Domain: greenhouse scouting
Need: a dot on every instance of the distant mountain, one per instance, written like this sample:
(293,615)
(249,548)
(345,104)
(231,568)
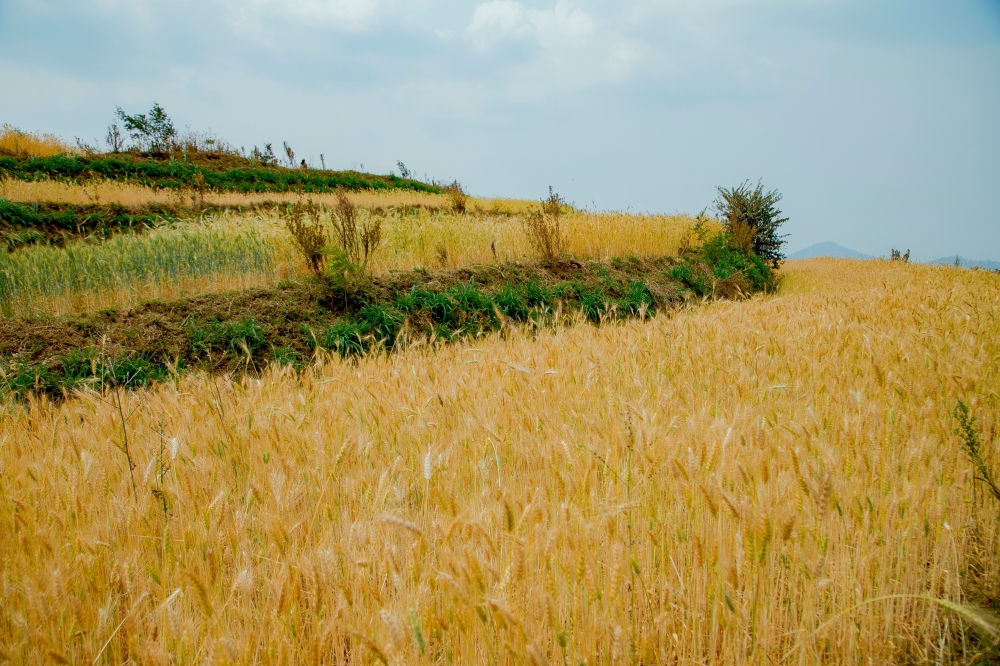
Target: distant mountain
(828,249)
(967,263)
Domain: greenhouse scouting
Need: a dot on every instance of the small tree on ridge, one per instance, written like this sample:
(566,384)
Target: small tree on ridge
(153,131)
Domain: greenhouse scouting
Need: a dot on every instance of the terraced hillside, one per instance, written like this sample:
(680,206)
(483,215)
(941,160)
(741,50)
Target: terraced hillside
(503,432)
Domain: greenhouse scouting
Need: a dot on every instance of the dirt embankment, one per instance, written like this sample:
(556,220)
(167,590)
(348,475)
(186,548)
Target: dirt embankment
(288,323)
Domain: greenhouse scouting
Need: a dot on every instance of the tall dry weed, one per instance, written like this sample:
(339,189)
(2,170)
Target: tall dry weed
(18,143)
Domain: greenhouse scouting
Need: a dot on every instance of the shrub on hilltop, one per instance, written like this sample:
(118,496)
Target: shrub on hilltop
(752,219)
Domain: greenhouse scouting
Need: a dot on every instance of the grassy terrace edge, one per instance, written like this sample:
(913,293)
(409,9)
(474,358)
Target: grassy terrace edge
(176,174)
(24,224)
(289,324)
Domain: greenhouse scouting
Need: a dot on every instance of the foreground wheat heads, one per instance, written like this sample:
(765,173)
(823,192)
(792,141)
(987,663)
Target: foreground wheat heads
(729,484)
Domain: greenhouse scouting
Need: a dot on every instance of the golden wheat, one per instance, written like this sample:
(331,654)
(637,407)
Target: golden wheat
(769,481)
(133,194)
(428,238)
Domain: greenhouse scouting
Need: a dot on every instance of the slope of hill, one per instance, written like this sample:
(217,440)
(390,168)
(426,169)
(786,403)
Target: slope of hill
(968,263)
(827,249)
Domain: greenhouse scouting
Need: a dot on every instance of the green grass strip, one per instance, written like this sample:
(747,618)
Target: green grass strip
(178,174)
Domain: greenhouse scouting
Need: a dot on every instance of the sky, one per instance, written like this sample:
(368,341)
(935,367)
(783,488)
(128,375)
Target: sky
(877,120)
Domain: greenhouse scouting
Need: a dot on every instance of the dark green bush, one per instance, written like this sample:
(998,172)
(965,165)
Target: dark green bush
(726,262)
(751,212)
(24,378)
(682,274)
(718,261)
(131,371)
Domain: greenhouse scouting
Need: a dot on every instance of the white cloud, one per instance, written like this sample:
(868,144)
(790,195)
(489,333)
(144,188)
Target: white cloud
(538,51)
(562,24)
(350,14)
(497,21)
(259,16)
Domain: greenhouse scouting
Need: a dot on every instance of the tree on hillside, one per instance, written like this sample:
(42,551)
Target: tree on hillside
(153,131)
(751,212)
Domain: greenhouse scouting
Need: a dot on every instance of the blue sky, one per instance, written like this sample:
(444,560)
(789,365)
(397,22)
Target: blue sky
(877,120)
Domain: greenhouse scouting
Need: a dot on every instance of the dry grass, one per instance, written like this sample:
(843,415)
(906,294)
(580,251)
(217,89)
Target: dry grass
(415,240)
(19,143)
(726,485)
(134,194)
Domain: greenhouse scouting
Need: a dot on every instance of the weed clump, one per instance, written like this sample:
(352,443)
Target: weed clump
(973,446)
(545,235)
(358,239)
(30,224)
(553,205)
(243,336)
(80,368)
(355,240)
(467,310)
(310,238)
(459,198)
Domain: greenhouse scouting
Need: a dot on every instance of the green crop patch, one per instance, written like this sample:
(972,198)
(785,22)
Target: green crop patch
(23,224)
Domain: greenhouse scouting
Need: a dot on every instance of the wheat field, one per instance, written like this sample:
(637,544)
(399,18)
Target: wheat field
(132,194)
(234,250)
(772,481)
